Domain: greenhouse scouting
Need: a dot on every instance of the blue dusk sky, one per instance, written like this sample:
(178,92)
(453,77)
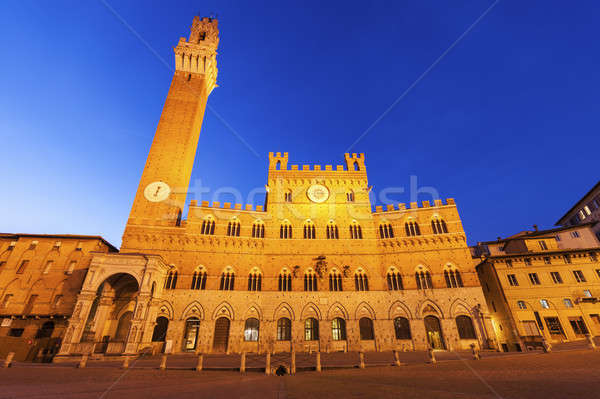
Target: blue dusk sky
(506,122)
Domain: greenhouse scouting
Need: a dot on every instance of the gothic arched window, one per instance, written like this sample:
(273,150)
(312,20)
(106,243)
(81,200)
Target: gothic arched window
(309,230)
(233,228)
(335,281)
(453,278)
(258,229)
(355,231)
(208,226)
(361,282)
(332,231)
(412,228)
(311,329)
(284,329)
(310,281)
(251,329)
(394,280)
(199,280)
(254,280)
(402,328)
(465,328)
(438,226)
(285,230)
(171,281)
(284,282)
(386,230)
(423,278)
(227,280)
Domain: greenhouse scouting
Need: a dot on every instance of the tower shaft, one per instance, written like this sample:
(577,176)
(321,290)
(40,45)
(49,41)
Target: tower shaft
(162,191)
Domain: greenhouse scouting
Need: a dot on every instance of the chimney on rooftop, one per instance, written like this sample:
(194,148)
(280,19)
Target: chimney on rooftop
(535,227)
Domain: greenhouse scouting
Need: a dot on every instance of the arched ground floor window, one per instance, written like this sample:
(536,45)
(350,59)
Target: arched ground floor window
(160,329)
(284,329)
(434,332)
(338,329)
(402,328)
(465,328)
(366,329)
(190,337)
(311,329)
(251,330)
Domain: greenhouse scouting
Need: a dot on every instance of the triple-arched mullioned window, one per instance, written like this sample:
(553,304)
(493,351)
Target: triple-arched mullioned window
(233,228)
(255,280)
(412,228)
(438,226)
(310,280)
(394,280)
(284,282)
(208,226)
(335,280)
(309,230)
(227,282)
(285,229)
(386,230)
(452,277)
(350,196)
(258,229)
(423,278)
(361,281)
(355,231)
(332,231)
(171,281)
(199,279)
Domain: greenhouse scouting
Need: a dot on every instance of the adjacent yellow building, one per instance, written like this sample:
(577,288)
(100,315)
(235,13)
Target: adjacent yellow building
(542,284)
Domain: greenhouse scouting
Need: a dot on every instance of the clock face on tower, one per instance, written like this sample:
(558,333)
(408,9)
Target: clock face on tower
(157,191)
(317,193)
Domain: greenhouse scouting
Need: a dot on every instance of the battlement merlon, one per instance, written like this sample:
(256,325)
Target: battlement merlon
(354,163)
(198,54)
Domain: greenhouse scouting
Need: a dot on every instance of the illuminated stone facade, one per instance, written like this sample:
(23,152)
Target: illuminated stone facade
(313,268)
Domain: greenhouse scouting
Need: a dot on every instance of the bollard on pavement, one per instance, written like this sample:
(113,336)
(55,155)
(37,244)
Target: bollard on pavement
(163,362)
(431,354)
(547,346)
(200,361)
(319,362)
(361,356)
(293,365)
(243,363)
(268,364)
(591,342)
(83,361)
(125,362)
(397,361)
(9,359)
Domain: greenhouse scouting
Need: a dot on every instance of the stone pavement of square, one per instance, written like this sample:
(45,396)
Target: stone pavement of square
(567,374)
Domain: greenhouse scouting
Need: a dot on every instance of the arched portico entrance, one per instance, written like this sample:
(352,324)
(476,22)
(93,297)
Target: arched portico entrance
(435,336)
(109,322)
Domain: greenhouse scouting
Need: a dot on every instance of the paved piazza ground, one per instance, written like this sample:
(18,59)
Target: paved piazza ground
(567,374)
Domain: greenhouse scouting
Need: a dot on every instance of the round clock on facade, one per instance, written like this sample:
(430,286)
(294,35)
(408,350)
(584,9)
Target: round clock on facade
(157,191)
(317,193)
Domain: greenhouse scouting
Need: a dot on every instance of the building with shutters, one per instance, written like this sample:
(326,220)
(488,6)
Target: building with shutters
(542,284)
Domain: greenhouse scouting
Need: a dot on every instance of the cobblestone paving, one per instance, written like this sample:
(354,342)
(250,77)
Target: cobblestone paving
(568,374)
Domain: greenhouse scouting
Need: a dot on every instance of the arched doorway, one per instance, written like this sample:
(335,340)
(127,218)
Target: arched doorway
(190,337)
(221,334)
(123,326)
(160,329)
(434,332)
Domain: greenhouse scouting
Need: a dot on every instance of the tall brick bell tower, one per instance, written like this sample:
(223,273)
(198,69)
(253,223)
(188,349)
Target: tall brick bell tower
(163,187)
